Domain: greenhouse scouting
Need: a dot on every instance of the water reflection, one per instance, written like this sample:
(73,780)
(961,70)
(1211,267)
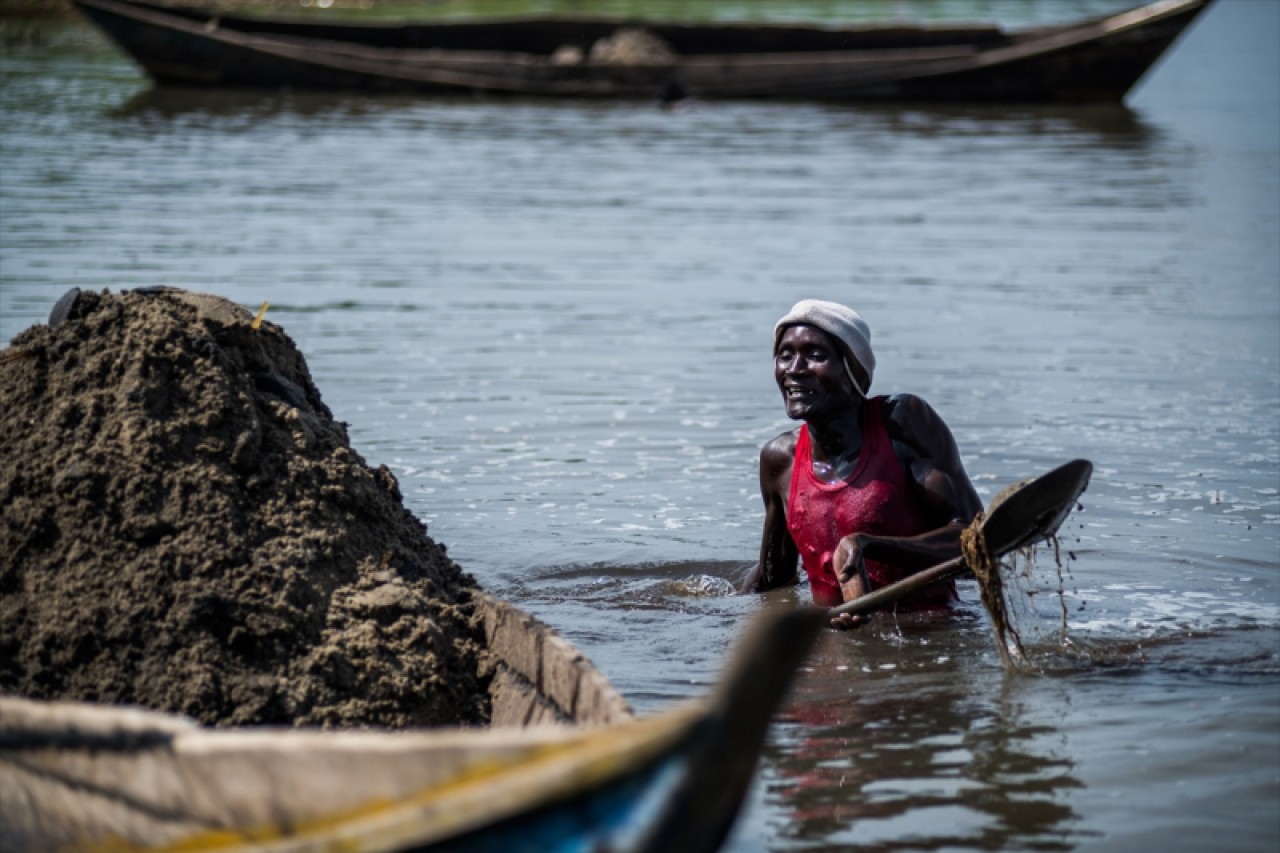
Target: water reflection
(905,749)
(1109,125)
(168,102)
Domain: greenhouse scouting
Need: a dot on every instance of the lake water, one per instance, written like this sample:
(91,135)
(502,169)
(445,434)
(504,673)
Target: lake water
(553,322)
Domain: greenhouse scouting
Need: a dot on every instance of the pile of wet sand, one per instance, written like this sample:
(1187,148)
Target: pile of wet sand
(184,526)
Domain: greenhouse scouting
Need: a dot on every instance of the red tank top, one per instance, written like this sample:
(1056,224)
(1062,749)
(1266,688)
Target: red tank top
(876,499)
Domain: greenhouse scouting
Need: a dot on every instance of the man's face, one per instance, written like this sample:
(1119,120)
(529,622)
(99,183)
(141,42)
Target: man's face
(810,372)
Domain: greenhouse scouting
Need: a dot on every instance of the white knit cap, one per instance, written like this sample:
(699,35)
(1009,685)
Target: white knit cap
(841,323)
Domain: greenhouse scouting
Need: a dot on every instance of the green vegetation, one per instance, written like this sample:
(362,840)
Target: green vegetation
(777,10)
(28,10)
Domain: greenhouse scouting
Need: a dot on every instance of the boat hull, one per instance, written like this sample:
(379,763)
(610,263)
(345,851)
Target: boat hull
(1092,61)
(85,777)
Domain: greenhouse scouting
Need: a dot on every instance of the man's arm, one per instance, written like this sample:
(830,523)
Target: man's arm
(778,554)
(925,445)
(926,448)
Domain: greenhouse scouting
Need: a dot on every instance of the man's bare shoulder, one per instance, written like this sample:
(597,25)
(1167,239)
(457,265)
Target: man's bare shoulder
(912,421)
(903,408)
(778,453)
(781,447)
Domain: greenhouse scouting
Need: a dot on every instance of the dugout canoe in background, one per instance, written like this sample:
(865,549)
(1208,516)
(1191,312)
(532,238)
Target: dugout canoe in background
(1094,60)
(77,776)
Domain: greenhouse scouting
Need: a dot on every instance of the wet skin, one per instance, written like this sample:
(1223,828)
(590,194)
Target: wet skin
(810,372)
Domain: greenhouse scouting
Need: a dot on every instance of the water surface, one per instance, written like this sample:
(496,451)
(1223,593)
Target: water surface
(552,321)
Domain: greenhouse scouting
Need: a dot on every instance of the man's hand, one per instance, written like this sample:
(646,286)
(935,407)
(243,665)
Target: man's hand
(847,621)
(851,571)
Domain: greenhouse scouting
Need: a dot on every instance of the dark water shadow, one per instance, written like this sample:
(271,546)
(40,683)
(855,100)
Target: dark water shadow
(172,102)
(1106,125)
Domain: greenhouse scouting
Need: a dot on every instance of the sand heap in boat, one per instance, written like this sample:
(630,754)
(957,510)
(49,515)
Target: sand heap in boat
(186,527)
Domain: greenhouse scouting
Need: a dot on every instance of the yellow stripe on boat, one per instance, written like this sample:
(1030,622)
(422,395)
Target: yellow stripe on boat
(486,791)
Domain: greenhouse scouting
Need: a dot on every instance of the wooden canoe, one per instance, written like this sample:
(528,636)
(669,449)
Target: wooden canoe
(84,777)
(1093,60)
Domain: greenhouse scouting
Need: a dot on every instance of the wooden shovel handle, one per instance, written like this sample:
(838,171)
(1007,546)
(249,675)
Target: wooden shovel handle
(897,590)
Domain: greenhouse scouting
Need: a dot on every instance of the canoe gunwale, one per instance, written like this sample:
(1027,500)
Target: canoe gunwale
(539,677)
(205,788)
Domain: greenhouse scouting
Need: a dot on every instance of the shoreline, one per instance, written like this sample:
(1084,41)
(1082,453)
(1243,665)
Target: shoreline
(62,10)
(29,23)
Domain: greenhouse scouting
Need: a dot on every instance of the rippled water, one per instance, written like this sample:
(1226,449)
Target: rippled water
(552,320)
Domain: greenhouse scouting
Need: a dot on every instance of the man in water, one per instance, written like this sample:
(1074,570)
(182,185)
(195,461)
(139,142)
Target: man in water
(867,490)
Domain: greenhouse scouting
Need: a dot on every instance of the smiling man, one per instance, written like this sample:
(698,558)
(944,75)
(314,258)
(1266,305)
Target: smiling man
(867,490)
